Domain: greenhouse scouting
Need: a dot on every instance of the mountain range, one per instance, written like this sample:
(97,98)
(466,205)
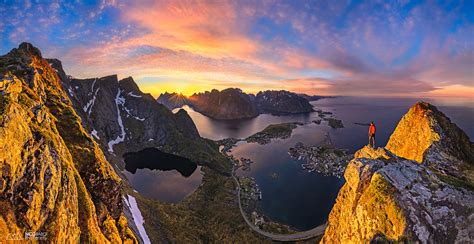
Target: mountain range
(233,103)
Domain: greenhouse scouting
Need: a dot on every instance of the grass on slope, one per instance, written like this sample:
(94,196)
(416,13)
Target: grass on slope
(209,215)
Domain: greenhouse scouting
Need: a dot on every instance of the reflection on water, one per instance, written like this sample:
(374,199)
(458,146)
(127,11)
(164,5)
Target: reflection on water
(160,175)
(220,129)
(298,198)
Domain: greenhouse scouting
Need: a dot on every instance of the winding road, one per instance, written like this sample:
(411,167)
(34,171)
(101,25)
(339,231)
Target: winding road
(298,236)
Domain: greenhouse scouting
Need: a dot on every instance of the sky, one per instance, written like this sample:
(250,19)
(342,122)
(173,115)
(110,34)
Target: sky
(357,48)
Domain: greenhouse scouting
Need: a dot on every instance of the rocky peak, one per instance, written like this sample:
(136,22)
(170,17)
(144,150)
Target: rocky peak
(278,102)
(54,177)
(172,100)
(428,136)
(122,119)
(129,85)
(27,49)
(400,193)
(230,103)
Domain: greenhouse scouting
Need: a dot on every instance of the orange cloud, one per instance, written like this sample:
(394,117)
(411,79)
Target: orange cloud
(459,91)
(210,28)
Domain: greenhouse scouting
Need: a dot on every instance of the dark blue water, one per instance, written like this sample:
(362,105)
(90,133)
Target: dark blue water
(162,176)
(301,199)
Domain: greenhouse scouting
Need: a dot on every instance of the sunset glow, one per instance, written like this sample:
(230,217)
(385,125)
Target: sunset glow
(393,48)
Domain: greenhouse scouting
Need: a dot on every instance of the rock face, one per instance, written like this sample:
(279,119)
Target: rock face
(436,142)
(282,102)
(123,119)
(54,177)
(230,103)
(172,100)
(397,195)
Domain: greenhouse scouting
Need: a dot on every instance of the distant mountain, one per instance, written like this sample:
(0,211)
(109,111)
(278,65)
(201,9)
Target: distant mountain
(233,103)
(172,100)
(282,102)
(230,103)
(313,97)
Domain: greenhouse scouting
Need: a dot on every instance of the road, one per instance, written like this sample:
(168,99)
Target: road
(298,236)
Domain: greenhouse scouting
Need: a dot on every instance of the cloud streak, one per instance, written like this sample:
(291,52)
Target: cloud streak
(397,48)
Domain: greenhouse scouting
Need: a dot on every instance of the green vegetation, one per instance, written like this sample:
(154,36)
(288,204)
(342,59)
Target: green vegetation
(334,123)
(209,215)
(202,151)
(278,129)
(282,131)
(4,103)
(454,181)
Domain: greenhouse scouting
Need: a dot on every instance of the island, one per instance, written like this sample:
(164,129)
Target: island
(324,159)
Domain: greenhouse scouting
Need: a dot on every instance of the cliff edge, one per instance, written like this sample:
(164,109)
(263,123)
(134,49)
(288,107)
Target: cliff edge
(55,179)
(410,190)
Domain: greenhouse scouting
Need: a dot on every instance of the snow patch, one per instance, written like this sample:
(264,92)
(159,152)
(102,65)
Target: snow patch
(71,93)
(131,115)
(94,133)
(133,95)
(120,138)
(90,104)
(137,217)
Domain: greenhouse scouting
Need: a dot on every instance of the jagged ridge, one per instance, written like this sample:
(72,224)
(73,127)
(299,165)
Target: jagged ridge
(124,119)
(233,103)
(55,178)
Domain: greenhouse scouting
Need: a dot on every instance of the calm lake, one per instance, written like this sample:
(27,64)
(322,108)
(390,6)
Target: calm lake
(293,196)
(162,176)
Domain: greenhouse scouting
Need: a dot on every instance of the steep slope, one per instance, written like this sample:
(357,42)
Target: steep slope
(124,119)
(54,178)
(282,102)
(389,197)
(435,141)
(172,100)
(230,103)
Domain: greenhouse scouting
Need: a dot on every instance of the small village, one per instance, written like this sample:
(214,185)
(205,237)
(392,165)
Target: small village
(321,159)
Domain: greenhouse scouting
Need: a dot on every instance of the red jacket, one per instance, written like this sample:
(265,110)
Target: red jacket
(372,129)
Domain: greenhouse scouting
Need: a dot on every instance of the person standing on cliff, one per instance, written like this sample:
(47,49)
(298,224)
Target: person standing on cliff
(372,134)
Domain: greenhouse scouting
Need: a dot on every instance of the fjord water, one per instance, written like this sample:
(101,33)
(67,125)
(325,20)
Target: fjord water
(162,176)
(293,196)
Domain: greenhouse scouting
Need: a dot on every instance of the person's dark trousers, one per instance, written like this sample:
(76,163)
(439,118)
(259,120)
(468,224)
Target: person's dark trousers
(372,140)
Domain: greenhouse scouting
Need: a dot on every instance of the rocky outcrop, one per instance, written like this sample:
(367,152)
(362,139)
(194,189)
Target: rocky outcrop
(390,196)
(55,178)
(282,102)
(172,100)
(427,136)
(230,103)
